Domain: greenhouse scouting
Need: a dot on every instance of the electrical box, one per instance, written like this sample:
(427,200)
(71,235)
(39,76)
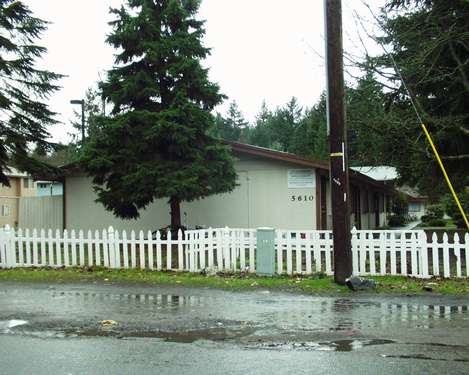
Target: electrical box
(265,253)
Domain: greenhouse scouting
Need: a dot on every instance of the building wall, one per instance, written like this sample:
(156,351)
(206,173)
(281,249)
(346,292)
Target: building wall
(262,198)
(9,199)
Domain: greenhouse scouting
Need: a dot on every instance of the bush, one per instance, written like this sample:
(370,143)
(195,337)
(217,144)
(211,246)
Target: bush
(435,211)
(396,220)
(400,205)
(437,223)
(453,211)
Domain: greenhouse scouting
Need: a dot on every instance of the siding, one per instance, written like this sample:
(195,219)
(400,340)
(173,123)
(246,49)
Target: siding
(41,212)
(261,199)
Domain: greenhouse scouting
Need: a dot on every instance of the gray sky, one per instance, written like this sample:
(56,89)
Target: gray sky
(261,49)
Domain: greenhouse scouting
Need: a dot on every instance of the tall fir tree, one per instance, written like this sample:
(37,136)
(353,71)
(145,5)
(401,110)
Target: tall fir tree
(428,40)
(24,90)
(155,142)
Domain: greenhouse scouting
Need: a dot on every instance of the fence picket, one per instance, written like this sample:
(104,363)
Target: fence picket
(125,250)
(20,248)
(50,248)
(328,253)
(105,248)
(66,253)
(372,251)
(150,250)
(97,249)
(252,247)
(382,253)
(435,255)
(279,252)
(141,249)
(180,251)
(81,245)
(354,241)
(58,249)
(457,254)
(298,253)
(289,253)
(393,252)
(362,252)
(403,247)
(158,251)
(133,255)
(35,249)
(43,261)
(242,251)
(466,252)
(446,269)
(413,254)
(73,248)
(308,250)
(169,251)
(89,247)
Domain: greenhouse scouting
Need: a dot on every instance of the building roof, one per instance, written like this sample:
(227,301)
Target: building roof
(13,172)
(267,153)
(378,173)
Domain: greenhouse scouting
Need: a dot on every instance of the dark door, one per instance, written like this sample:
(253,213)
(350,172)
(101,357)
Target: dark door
(376,209)
(323,203)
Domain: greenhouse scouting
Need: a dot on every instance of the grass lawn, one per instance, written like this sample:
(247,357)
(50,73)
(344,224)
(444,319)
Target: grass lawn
(315,284)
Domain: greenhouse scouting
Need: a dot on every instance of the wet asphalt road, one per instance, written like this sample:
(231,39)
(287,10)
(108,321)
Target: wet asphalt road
(56,329)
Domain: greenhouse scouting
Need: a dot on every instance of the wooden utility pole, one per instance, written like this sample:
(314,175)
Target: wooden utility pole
(337,142)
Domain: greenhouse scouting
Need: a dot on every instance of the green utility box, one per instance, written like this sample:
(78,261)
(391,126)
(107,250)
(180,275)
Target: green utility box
(265,254)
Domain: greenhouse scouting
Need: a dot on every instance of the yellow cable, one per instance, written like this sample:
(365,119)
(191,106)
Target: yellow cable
(446,176)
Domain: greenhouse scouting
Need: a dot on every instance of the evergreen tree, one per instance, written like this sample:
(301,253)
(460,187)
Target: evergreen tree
(24,89)
(260,134)
(428,41)
(155,142)
(233,127)
(283,124)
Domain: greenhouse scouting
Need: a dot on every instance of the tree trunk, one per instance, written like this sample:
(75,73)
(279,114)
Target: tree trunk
(175,213)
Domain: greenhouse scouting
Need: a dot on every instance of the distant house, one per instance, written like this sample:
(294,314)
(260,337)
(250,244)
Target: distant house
(49,188)
(276,189)
(21,185)
(389,175)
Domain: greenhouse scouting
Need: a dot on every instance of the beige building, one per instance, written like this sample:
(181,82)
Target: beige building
(21,185)
(276,189)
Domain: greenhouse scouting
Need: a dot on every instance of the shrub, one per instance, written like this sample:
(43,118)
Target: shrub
(453,211)
(396,220)
(437,223)
(434,212)
(400,205)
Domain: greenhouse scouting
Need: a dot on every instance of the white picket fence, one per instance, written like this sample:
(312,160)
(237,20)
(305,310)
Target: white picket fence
(406,253)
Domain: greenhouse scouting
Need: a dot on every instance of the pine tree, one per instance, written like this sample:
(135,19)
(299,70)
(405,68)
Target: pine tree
(155,143)
(24,89)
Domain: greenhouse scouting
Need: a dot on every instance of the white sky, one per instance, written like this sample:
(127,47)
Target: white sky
(261,49)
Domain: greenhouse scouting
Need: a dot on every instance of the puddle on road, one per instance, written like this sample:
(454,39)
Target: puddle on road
(7,325)
(329,346)
(189,336)
(424,357)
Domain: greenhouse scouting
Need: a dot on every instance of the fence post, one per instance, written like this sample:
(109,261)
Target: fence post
(423,258)
(111,247)
(355,269)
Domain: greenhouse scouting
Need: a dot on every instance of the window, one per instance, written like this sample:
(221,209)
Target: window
(414,206)
(27,183)
(5,210)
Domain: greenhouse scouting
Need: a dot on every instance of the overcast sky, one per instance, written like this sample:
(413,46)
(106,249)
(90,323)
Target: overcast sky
(261,49)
